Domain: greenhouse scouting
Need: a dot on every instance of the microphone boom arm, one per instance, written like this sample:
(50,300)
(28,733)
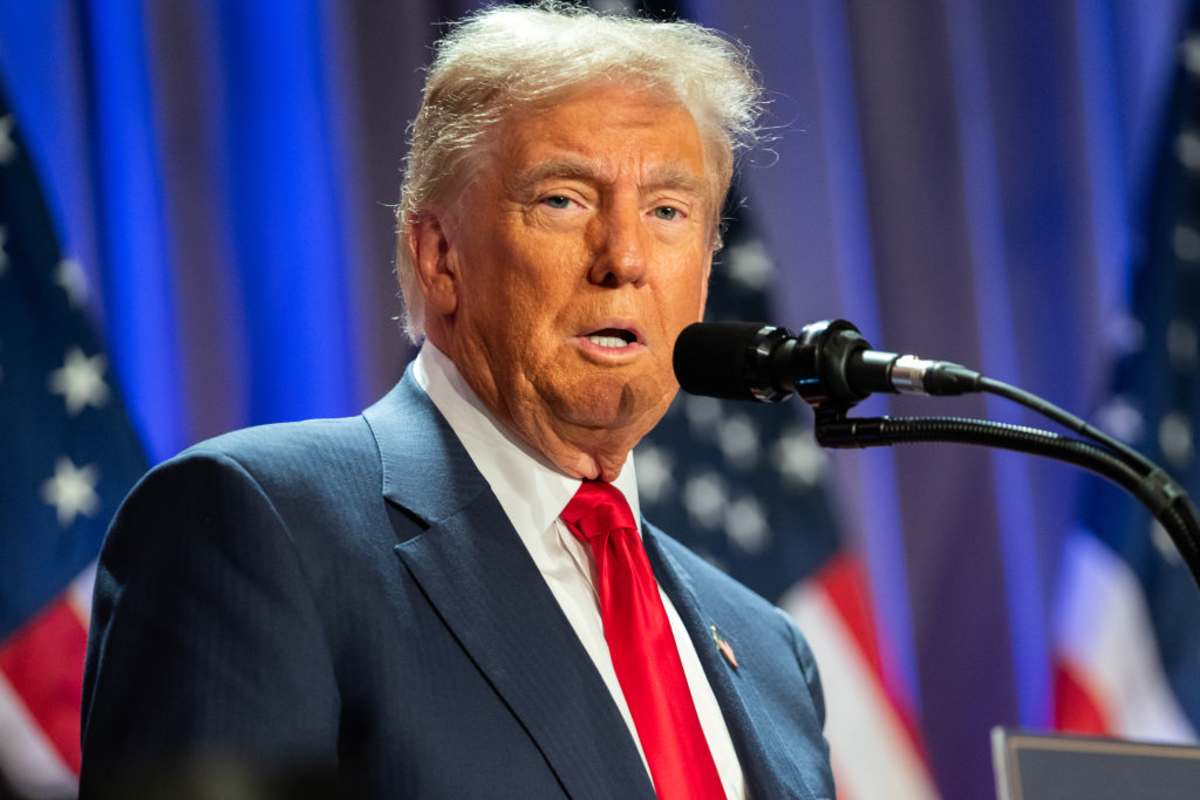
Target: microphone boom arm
(1164,498)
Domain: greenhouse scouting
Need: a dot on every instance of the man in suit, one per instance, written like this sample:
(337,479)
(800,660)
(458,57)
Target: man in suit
(453,595)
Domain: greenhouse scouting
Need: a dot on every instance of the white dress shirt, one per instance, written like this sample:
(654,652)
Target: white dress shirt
(533,494)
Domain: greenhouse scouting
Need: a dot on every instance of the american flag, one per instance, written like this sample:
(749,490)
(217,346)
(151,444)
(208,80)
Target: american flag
(1128,637)
(69,456)
(745,486)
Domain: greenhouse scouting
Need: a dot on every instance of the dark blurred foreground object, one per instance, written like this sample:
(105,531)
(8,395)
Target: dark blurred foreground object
(1088,768)
(229,778)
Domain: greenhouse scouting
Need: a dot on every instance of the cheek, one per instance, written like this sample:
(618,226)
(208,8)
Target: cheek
(543,277)
(687,294)
(522,303)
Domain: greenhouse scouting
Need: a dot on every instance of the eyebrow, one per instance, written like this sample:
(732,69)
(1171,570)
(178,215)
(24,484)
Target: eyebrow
(557,168)
(668,176)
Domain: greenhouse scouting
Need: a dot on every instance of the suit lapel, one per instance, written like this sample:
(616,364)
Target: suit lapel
(768,770)
(475,570)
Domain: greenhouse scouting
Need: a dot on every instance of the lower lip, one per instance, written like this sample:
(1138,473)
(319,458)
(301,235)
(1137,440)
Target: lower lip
(609,355)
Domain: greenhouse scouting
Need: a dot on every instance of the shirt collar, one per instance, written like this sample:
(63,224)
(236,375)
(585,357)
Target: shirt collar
(532,492)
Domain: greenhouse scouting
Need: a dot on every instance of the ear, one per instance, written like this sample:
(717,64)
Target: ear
(428,245)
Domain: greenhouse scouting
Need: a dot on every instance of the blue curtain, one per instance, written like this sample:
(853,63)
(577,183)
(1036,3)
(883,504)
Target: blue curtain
(960,179)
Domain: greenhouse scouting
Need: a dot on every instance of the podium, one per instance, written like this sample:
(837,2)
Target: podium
(1031,766)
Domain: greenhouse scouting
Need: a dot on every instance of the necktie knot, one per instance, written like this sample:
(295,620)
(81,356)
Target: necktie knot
(596,510)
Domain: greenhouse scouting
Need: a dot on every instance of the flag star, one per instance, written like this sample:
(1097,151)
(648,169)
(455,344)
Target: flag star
(746,525)
(72,491)
(799,458)
(72,280)
(1119,417)
(1175,439)
(704,498)
(8,147)
(655,482)
(702,413)
(1123,335)
(80,381)
(750,265)
(1182,345)
(1187,150)
(1191,54)
(1185,242)
(738,440)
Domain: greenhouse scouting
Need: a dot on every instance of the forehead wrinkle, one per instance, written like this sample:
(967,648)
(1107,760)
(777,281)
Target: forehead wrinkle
(663,176)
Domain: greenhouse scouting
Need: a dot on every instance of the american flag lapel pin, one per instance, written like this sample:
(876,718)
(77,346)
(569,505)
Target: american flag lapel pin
(724,648)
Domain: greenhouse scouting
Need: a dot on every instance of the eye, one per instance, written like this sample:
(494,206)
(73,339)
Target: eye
(667,213)
(557,201)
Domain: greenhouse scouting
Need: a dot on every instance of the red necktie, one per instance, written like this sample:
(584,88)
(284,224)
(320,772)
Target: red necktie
(643,650)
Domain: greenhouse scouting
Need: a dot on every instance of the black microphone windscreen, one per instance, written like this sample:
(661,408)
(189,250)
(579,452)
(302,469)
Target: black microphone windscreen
(711,358)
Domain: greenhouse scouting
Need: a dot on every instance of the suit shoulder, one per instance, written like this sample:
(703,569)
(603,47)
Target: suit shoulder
(290,453)
(262,445)
(303,468)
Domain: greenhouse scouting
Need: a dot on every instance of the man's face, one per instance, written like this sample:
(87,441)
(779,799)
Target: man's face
(580,249)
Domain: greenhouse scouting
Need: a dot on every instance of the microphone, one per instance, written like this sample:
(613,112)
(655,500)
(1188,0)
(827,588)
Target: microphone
(829,364)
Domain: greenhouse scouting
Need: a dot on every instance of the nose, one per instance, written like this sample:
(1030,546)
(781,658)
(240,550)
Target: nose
(621,250)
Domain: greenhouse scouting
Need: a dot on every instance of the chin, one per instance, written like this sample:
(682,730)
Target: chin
(592,411)
(613,402)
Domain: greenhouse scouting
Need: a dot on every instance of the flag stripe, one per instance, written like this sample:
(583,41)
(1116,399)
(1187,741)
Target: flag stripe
(79,595)
(844,580)
(43,663)
(28,760)
(862,725)
(1076,707)
(1105,634)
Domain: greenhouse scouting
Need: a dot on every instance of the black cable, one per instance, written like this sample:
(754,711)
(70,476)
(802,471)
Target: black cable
(1154,480)
(1067,420)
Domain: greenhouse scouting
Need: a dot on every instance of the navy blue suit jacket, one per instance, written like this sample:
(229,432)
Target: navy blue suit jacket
(350,592)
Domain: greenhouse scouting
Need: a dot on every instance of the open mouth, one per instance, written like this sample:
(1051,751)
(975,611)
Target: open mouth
(612,338)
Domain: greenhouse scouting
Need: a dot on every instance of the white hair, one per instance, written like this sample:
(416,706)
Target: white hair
(508,56)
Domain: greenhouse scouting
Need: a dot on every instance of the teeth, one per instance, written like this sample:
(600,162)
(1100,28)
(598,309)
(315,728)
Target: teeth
(607,341)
